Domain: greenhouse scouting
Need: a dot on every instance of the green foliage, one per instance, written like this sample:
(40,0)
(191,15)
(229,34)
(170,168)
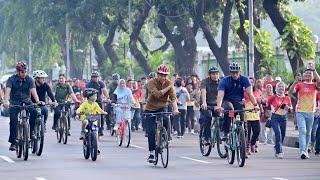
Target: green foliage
(297,37)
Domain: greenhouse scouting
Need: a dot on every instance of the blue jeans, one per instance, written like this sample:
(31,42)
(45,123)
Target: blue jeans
(314,130)
(279,123)
(304,122)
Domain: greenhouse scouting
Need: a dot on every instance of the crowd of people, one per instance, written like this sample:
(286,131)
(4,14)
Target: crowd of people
(193,102)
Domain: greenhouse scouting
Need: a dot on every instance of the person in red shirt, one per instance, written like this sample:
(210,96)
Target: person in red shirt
(266,134)
(305,108)
(280,104)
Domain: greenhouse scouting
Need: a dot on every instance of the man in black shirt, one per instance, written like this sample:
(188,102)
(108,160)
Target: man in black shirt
(95,83)
(43,89)
(18,90)
(209,92)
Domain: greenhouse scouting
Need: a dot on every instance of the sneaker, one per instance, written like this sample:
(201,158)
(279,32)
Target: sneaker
(179,137)
(116,126)
(151,158)
(175,132)
(253,148)
(82,135)
(192,131)
(12,147)
(32,135)
(303,155)
(224,136)
(279,156)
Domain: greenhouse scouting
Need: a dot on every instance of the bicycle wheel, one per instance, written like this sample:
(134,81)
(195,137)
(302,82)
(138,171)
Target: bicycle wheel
(40,138)
(25,141)
(58,131)
(127,134)
(241,147)
(230,151)
(86,147)
(94,146)
(220,145)
(19,146)
(164,148)
(205,149)
(120,134)
(34,143)
(64,130)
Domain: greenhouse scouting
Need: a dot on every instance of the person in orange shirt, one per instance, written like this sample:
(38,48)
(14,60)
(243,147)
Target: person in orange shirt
(305,108)
(280,104)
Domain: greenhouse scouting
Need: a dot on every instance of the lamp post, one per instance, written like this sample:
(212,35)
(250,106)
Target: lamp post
(251,40)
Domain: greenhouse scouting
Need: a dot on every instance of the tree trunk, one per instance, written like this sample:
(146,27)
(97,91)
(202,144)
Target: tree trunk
(136,29)
(100,52)
(244,36)
(273,10)
(108,46)
(221,53)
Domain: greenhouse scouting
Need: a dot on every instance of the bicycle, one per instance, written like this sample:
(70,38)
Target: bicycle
(161,137)
(22,144)
(63,123)
(124,131)
(90,143)
(236,142)
(205,147)
(39,130)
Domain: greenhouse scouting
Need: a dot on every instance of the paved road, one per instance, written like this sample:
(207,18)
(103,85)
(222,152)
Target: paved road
(60,161)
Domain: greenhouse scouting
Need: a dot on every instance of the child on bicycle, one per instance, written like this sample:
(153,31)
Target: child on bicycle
(89,106)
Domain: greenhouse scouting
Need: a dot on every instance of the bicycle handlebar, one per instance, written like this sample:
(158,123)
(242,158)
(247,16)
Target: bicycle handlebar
(157,114)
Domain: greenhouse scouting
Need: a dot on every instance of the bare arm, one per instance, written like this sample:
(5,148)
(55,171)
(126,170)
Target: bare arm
(250,94)
(74,98)
(220,97)
(34,94)
(105,92)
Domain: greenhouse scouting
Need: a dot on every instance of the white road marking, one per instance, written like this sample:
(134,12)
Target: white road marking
(40,178)
(279,178)
(139,147)
(7,159)
(196,160)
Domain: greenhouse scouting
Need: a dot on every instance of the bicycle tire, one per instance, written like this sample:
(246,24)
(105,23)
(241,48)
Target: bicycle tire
(94,146)
(58,131)
(241,149)
(120,135)
(86,147)
(41,140)
(230,151)
(204,149)
(65,130)
(127,134)
(220,145)
(19,146)
(25,142)
(164,148)
(34,143)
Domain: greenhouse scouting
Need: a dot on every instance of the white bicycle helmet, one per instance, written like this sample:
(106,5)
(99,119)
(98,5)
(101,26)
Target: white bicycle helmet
(39,74)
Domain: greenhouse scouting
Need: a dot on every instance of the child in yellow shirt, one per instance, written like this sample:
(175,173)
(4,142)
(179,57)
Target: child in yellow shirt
(90,106)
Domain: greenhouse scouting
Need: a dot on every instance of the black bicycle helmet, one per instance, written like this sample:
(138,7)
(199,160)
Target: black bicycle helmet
(95,74)
(234,66)
(213,70)
(115,76)
(88,92)
(152,75)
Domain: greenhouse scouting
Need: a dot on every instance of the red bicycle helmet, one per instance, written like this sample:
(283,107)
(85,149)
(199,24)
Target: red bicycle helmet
(163,69)
(21,66)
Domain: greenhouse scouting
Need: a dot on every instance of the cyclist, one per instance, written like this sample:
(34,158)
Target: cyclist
(209,91)
(124,99)
(43,89)
(89,106)
(160,90)
(111,87)
(19,89)
(62,92)
(99,85)
(230,94)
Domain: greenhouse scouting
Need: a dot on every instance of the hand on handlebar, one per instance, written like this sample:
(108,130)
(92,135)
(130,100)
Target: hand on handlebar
(218,108)
(6,104)
(204,106)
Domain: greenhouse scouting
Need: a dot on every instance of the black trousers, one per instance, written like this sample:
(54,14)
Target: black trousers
(180,122)
(254,127)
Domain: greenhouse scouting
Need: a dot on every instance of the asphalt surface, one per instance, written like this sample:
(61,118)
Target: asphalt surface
(60,161)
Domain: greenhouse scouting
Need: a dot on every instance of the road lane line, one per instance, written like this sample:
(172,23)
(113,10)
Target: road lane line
(279,178)
(6,159)
(139,147)
(196,160)
(40,178)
